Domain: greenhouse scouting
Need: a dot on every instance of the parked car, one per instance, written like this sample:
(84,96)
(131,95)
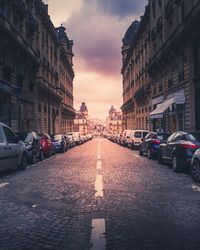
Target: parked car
(69,137)
(195,166)
(47,145)
(125,135)
(135,138)
(77,137)
(59,143)
(33,147)
(178,150)
(12,150)
(150,144)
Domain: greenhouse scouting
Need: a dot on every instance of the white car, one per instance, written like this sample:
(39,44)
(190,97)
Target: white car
(135,138)
(12,150)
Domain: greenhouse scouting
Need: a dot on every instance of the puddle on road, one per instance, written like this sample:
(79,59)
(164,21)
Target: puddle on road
(3,184)
(98,241)
(197,188)
(99,185)
(99,165)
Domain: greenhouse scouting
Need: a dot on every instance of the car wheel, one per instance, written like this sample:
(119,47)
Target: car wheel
(176,164)
(23,162)
(41,157)
(160,159)
(195,170)
(149,154)
(33,160)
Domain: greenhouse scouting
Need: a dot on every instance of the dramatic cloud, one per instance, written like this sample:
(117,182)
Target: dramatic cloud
(97,28)
(121,8)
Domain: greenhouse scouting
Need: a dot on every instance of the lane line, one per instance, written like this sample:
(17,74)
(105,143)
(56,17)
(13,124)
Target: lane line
(99,176)
(99,165)
(98,241)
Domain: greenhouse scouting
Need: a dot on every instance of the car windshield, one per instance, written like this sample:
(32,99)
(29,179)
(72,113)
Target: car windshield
(160,137)
(26,137)
(137,134)
(76,134)
(57,137)
(190,137)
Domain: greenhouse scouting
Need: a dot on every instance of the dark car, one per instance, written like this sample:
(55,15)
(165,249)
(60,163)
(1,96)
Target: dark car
(150,144)
(33,147)
(195,166)
(46,143)
(59,143)
(178,150)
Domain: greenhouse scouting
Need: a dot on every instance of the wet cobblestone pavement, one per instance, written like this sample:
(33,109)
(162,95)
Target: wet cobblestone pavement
(144,205)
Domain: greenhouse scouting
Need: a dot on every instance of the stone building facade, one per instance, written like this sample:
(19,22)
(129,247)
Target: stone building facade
(114,121)
(172,65)
(136,82)
(32,65)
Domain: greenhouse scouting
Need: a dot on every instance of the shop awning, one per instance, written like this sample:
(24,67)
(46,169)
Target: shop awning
(161,108)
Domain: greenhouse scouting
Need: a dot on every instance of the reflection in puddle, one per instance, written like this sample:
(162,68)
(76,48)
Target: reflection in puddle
(98,234)
(99,185)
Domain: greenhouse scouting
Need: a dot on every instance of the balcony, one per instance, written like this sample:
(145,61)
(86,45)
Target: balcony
(153,34)
(169,9)
(159,24)
(31,23)
(20,7)
(142,93)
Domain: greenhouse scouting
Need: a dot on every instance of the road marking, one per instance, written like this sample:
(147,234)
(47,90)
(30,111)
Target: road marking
(3,184)
(99,185)
(137,156)
(197,188)
(99,165)
(98,241)
(99,176)
(34,206)
(99,157)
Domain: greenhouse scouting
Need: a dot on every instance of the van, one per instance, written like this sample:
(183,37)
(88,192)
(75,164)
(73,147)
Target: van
(125,135)
(135,138)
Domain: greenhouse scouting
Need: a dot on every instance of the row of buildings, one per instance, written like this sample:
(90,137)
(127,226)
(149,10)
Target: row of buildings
(36,69)
(114,121)
(161,68)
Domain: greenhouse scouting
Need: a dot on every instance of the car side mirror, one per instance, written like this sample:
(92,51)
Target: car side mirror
(142,139)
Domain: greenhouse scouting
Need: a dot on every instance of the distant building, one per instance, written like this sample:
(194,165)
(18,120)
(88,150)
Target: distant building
(81,121)
(114,121)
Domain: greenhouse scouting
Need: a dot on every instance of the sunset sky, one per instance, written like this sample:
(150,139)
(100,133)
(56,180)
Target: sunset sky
(97,28)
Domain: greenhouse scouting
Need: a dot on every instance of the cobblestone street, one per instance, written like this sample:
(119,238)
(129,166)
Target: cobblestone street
(59,203)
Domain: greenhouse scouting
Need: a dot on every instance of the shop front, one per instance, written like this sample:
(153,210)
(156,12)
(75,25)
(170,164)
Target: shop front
(168,116)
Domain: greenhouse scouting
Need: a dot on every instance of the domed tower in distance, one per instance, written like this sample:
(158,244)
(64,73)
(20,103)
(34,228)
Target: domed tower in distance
(84,109)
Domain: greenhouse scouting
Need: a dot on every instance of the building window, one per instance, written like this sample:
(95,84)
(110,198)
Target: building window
(170,83)
(180,113)
(39,107)
(181,74)
(160,87)
(45,109)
